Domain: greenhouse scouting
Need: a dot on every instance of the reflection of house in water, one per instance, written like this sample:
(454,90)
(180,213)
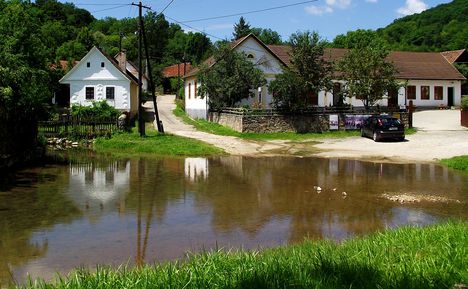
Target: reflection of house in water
(97,187)
(196,169)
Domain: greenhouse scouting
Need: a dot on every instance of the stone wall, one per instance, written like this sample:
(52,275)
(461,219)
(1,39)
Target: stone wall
(271,123)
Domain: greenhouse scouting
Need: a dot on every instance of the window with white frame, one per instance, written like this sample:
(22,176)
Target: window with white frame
(89,93)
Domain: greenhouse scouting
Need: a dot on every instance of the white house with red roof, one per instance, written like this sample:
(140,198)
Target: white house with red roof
(429,79)
(99,77)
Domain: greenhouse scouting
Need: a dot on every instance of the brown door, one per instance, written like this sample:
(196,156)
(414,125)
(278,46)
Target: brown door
(393,98)
(336,93)
(450,96)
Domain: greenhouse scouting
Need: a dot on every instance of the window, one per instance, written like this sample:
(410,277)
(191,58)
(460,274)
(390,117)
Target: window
(195,94)
(424,92)
(88,64)
(110,92)
(89,92)
(411,92)
(102,64)
(189,90)
(438,93)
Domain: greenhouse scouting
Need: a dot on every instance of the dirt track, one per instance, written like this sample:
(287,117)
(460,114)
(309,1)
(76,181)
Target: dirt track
(439,136)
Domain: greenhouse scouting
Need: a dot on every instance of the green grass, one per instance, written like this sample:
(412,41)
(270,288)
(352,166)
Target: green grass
(458,163)
(154,144)
(430,257)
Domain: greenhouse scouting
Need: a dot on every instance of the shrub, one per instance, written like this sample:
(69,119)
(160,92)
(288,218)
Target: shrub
(98,109)
(464,102)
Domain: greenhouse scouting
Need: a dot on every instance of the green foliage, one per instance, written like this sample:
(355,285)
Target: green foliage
(369,76)
(309,73)
(267,36)
(232,78)
(458,163)
(354,39)
(241,29)
(411,257)
(444,27)
(464,102)
(97,109)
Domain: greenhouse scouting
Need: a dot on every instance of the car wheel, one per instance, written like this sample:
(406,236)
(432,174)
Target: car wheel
(375,136)
(401,138)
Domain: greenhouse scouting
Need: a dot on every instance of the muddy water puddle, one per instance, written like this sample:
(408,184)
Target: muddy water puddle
(95,210)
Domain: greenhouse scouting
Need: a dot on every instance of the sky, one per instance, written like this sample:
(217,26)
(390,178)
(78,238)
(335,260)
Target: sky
(328,17)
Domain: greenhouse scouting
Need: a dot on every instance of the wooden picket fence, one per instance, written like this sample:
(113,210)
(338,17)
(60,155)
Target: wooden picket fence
(79,127)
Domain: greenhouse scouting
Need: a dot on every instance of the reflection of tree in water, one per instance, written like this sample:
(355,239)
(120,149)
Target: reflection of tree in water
(25,209)
(248,193)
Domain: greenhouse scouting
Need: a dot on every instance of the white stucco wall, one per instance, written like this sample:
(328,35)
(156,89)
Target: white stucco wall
(122,92)
(456,84)
(195,106)
(82,76)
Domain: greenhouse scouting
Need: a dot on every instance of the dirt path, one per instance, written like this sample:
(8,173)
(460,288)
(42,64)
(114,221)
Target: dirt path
(440,136)
(231,145)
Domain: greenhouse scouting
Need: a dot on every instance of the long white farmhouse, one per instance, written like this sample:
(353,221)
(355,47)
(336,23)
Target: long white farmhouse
(430,80)
(99,77)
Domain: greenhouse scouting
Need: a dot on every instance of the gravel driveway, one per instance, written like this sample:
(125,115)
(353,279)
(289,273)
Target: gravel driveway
(439,136)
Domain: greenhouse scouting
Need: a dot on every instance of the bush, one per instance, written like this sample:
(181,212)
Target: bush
(98,109)
(464,102)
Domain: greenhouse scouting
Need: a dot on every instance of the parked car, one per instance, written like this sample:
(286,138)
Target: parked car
(380,127)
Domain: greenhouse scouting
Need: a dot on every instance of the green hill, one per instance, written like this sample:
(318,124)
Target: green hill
(444,27)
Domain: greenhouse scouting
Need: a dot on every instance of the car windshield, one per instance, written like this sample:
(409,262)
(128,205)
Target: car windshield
(390,121)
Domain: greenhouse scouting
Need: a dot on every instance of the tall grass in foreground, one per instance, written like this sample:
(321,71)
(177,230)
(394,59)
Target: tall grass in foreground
(430,257)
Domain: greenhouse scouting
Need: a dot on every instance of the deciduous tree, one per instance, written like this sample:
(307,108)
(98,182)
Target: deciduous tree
(308,74)
(368,73)
(231,78)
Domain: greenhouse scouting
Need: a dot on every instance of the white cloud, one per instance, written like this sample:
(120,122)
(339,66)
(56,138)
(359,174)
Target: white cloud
(318,10)
(372,1)
(342,4)
(412,7)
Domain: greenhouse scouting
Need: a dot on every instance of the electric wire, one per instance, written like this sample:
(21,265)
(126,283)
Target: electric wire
(106,9)
(249,12)
(167,6)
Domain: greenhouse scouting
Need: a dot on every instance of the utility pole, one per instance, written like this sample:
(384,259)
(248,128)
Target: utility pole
(141,121)
(142,41)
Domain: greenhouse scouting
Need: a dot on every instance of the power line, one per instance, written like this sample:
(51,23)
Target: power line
(116,7)
(167,6)
(249,12)
(208,34)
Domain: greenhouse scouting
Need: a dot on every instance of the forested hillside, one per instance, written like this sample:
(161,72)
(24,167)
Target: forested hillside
(441,28)
(444,27)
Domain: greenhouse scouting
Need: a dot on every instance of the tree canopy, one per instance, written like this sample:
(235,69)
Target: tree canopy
(232,78)
(367,72)
(309,73)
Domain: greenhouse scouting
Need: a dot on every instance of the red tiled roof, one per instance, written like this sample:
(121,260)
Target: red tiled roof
(452,56)
(63,64)
(410,65)
(173,70)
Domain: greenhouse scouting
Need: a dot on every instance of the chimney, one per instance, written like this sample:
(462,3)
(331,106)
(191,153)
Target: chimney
(122,60)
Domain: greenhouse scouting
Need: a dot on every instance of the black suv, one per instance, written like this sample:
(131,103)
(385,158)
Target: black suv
(383,127)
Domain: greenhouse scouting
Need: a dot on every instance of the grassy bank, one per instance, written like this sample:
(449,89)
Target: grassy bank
(214,128)
(127,144)
(431,257)
(458,163)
